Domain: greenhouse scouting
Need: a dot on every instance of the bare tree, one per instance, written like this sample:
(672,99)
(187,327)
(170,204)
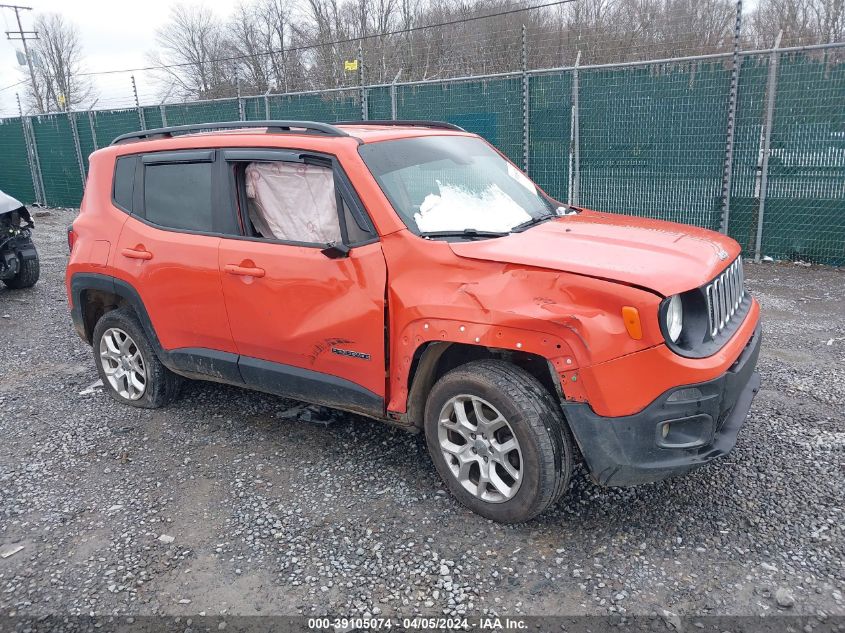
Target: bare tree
(57,64)
(801,21)
(830,15)
(323,27)
(251,38)
(195,55)
(259,33)
(292,45)
(287,66)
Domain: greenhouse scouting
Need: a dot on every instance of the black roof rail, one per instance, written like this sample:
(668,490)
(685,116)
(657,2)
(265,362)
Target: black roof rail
(272,127)
(409,123)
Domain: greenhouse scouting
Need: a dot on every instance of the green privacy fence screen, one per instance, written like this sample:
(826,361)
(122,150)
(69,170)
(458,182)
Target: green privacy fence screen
(653,141)
(15,175)
(645,139)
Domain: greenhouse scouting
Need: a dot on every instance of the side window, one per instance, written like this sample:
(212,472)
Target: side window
(124,182)
(291,201)
(178,195)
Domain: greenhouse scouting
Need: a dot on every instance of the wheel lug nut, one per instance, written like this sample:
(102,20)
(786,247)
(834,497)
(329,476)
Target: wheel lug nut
(485,460)
(474,450)
(472,435)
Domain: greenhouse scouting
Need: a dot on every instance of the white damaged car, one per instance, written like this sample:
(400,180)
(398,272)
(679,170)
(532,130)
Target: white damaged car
(19,267)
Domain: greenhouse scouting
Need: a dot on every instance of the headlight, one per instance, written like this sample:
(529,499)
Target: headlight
(674,318)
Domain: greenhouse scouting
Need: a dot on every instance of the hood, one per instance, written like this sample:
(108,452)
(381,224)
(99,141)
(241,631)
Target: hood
(8,203)
(662,256)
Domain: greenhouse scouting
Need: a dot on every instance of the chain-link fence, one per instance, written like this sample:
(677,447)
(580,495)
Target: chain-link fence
(648,138)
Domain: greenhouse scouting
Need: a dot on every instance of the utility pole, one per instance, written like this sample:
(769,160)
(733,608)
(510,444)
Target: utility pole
(23,36)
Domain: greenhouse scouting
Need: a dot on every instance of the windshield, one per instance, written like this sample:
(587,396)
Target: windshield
(454,184)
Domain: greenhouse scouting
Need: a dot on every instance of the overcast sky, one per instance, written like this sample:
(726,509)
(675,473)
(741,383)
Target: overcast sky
(114,35)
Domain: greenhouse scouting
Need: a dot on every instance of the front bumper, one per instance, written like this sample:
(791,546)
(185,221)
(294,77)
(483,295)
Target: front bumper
(703,423)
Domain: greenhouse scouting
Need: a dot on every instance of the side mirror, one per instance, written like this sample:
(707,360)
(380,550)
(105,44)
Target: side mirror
(336,250)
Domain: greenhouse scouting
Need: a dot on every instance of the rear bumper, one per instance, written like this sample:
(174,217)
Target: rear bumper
(703,423)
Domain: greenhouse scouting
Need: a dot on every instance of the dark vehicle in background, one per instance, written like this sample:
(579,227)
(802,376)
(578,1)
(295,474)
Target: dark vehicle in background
(19,267)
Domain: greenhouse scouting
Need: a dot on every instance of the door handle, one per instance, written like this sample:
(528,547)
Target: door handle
(131,253)
(243,271)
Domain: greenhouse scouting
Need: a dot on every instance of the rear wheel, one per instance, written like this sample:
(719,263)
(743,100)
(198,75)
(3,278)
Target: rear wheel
(28,274)
(131,372)
(498,440)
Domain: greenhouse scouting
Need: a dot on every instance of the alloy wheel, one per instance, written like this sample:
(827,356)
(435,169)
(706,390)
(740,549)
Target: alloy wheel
(480,448)
(123,364)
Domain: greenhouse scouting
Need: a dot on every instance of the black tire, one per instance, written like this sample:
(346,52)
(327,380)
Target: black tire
(27,276)
(536,422)
(162,385)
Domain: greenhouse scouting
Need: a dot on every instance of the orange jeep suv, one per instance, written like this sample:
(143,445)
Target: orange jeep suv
(407,271)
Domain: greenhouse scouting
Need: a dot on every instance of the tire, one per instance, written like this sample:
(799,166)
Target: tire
(543,450)
(27,276)
(160,385)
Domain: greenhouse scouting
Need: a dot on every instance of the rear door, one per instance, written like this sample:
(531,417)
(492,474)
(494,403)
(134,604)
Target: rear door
(307,322)
(168,251)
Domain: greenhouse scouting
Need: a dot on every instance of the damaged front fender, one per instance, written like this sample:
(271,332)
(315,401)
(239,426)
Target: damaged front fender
(570,320)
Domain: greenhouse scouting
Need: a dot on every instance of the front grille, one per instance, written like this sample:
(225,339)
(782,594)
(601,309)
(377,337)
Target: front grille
(724,296)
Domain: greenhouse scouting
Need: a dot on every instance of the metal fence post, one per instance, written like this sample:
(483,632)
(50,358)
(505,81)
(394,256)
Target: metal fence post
(771,89)
(241,113)
(77,147)
(267,105)
(141,119)
(525,102)
(93,129)
(393,104)
(574,140)
(365,105)
(727,171)
(39,181)
(29,158)
(163,110)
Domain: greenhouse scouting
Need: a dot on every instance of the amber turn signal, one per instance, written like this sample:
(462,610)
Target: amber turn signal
(631,317)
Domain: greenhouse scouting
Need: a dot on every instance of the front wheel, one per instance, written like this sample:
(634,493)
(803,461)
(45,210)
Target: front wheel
(498,440)
(28,274)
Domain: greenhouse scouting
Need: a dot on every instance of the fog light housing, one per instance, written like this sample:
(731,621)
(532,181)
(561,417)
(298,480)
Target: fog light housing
(689,432)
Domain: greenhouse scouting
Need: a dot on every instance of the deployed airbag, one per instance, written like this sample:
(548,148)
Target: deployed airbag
(293,202)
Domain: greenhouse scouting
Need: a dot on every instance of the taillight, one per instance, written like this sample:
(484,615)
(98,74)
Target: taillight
(71,238)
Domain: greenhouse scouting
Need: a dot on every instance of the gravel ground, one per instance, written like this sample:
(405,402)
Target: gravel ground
(236,502)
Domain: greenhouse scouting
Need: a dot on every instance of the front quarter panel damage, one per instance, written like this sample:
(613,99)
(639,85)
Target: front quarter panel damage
(571,320)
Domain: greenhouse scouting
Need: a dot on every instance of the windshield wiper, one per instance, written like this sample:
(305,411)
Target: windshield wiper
(559,213)
(468,233)
(532,222)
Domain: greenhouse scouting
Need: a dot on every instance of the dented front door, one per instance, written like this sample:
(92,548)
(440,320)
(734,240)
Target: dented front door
(293,305)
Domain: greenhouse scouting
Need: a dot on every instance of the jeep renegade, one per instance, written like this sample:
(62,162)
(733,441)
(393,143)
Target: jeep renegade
(409,272)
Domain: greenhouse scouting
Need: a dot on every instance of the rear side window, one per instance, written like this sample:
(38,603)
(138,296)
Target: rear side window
(124,182)
(178,196)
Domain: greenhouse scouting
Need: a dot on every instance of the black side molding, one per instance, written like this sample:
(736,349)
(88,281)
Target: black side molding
(311,386)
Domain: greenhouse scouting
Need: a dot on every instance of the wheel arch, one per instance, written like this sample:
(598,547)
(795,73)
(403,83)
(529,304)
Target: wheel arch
(433,359)
(94,295)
